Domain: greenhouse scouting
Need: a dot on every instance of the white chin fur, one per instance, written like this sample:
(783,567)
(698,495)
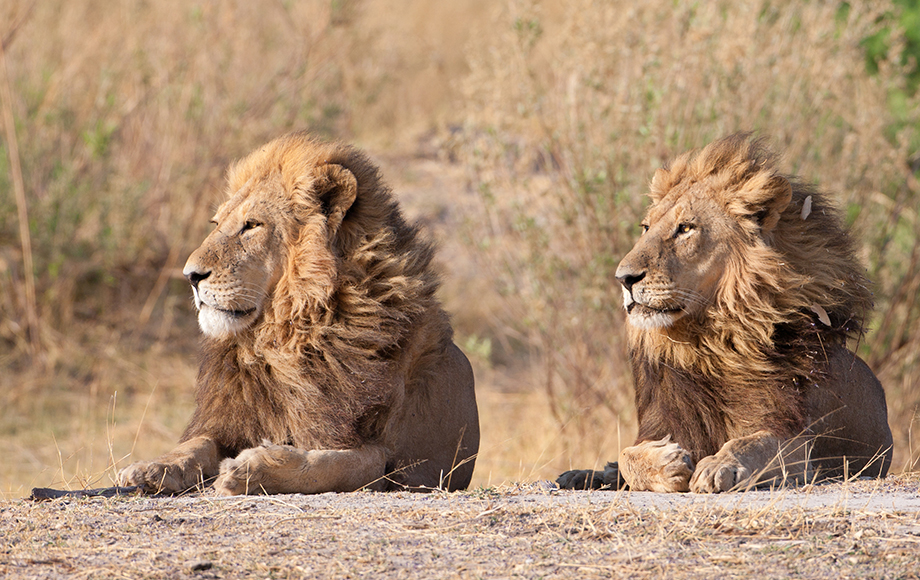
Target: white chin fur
(220,325)
(649,321)
(646,319)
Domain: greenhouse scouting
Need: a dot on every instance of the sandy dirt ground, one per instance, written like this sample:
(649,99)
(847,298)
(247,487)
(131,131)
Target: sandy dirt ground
(859,529)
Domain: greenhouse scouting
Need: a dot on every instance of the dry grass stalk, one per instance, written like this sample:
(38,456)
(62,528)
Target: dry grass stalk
(25,239)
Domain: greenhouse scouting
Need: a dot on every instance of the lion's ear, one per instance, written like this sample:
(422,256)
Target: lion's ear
(763,199)
(660,185)
(337,189)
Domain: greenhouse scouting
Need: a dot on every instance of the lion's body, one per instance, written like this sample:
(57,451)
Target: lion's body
(740,298)
(328,364)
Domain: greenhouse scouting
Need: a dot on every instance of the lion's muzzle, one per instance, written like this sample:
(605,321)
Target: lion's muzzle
(223,310)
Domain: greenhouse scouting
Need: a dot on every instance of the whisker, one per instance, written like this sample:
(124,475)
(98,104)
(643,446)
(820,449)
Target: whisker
(252,286)
(691,296)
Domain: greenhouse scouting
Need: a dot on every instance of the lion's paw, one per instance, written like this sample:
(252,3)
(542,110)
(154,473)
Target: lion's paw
(253,470)
(233,479)
(581,479)
(152,477)
(661,465)
(241,474)
(717,473)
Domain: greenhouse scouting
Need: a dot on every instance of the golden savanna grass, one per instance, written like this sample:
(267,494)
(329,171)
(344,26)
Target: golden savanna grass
(523,133)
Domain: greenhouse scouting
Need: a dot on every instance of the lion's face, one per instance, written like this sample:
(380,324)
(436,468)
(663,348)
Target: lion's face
(270,256)
(234,271)
(675,268)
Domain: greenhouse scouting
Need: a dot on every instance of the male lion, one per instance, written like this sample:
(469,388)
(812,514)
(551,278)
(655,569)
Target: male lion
(327,364)
(740,296)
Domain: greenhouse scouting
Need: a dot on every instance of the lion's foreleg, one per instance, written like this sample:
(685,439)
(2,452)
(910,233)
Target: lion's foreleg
(758,459)
(188,465)
(286,469)
(656,466)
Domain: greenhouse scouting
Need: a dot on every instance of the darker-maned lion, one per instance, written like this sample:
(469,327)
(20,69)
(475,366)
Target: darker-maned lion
(327,364)
(740,297)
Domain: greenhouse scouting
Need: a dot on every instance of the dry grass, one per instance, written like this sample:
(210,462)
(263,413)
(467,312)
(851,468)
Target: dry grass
(521,133)
(500,532)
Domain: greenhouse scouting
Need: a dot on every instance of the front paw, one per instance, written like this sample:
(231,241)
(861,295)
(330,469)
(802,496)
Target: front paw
(152,477)
(662,466)
(233,479)
(239,475)
(718,473)
(251,472)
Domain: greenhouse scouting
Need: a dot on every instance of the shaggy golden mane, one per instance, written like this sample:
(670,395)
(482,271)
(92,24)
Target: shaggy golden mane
(328,336)
(766,320)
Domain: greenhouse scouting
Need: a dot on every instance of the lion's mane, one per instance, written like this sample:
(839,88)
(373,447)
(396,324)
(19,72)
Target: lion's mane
(320,369)
(762,342)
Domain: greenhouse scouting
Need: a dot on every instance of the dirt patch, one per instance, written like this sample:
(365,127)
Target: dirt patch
(858,529)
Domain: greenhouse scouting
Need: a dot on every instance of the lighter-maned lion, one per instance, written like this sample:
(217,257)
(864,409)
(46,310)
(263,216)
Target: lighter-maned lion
(327,364)
(740,296)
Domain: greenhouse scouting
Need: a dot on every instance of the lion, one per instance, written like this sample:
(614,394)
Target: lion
(740,297)
(327,362)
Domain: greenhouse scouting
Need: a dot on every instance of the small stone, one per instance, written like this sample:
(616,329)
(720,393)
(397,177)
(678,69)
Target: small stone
(200,565)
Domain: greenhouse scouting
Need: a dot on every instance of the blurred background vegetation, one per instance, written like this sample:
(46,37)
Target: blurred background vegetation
(522,133)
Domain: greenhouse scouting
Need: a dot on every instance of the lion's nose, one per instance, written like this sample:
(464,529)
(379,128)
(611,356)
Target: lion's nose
(627,279)
(195,277)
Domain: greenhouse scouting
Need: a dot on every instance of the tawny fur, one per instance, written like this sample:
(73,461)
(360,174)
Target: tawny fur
(350,349)
(751,354)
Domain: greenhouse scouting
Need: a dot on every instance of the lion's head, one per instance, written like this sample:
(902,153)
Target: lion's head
(732,252)
(709,214)
(677,265)
(290,236)
(238,265)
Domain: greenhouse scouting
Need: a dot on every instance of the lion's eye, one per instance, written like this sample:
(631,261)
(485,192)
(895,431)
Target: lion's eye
(250,225)
(684,229)
(644,227)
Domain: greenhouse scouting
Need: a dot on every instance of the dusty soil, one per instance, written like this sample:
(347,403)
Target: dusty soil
(860,529)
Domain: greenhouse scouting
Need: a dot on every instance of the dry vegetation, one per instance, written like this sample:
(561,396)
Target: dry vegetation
(516,531)
(522,132)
